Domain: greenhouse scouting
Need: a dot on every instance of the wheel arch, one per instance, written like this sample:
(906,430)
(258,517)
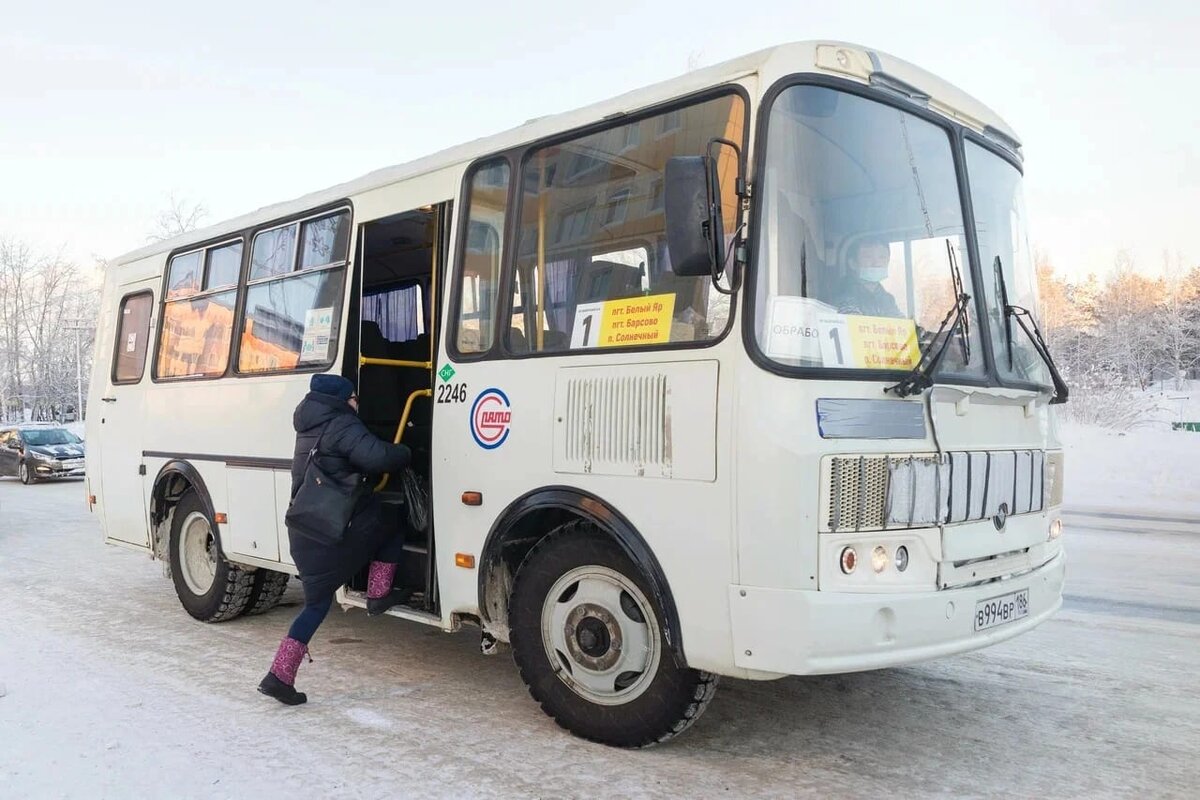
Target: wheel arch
(173,479)
(531,517)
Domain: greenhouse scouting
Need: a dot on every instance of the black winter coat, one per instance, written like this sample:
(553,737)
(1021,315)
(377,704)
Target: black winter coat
(347,448)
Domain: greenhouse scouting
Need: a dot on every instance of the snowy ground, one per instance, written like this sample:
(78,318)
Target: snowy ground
(107,689)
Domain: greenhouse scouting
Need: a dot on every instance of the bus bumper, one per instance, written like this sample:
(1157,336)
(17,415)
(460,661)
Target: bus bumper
(797,632)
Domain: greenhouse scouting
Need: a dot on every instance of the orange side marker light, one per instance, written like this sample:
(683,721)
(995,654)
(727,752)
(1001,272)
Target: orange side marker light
(220,518)
(464,560)
(472,498)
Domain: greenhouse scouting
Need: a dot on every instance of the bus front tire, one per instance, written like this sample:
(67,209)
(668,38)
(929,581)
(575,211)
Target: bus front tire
(587,635)
(209,587)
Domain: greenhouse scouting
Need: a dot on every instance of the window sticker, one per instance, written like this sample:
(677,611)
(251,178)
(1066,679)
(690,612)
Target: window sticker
(318,325)
(635,321)
(131,342)
(868,342)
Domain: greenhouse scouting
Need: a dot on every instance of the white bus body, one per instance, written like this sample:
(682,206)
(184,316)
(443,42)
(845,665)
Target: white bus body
(759,484)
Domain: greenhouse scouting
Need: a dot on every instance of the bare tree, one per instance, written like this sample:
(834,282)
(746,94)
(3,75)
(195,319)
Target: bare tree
(1176,324)
(180,216)
(41,363)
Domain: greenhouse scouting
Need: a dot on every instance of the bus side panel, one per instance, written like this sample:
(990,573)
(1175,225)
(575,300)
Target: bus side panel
(687,523)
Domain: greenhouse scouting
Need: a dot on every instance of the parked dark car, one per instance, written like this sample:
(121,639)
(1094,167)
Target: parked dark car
(39,452)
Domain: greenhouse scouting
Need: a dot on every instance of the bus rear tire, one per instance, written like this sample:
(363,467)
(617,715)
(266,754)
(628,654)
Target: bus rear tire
(587,635)
(266,592)
(209,587)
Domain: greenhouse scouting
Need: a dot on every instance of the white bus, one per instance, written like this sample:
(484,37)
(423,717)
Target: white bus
(730,375)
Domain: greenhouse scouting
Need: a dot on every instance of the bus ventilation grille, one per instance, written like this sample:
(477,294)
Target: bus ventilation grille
(909,491)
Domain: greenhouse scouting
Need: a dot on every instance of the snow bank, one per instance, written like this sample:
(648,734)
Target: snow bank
(1151,469)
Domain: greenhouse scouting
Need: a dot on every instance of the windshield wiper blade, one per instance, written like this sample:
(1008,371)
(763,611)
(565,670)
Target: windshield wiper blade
(964,330)
(1002,288)
(958,318)
(1039,344)
(1031,329)
(921,376)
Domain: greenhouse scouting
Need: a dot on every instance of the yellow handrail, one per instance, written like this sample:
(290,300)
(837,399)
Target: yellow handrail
(392,362)
(403,424)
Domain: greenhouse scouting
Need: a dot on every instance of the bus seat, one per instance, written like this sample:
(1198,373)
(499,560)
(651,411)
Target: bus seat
(373,344)
(517,342)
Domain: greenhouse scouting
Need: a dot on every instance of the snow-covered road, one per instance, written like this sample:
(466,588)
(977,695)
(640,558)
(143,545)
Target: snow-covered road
(108,689)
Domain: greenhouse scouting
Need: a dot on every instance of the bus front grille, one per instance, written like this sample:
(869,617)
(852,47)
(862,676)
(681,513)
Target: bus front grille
(908,491)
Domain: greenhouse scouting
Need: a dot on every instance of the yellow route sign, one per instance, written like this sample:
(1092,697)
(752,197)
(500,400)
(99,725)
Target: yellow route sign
(632,322)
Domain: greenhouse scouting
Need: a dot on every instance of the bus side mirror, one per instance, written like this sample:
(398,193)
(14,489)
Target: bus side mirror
(695,230)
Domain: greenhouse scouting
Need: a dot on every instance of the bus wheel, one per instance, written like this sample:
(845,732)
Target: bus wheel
(209,587)
(266,592)
(588,639)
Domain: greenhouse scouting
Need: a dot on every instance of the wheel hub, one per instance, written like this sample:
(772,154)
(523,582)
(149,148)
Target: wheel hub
(601,634)
(593,637)
(198,556)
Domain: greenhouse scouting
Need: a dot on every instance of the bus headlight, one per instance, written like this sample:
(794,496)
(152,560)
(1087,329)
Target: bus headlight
(849,560)
(901,558)
(1056,529)
(879,559)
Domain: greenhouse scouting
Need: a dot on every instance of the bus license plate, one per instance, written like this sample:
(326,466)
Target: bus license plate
(1001,610)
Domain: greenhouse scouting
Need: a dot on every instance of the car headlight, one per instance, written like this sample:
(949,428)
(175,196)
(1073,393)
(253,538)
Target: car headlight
(41,456)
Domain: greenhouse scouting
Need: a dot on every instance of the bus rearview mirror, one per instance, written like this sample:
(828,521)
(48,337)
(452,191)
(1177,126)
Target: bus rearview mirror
(695,230)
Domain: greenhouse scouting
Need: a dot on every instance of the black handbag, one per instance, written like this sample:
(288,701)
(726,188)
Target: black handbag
(322,507)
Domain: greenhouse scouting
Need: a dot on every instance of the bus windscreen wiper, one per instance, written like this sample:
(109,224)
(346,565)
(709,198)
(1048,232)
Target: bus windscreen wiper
(1028,324)
(956,319)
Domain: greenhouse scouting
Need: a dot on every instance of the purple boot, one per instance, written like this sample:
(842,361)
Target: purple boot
(279,682)
(380,594)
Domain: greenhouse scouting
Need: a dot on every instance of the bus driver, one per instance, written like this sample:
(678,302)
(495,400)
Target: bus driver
(861,290)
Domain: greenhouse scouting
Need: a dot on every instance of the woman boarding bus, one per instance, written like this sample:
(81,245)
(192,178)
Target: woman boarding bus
(659,446)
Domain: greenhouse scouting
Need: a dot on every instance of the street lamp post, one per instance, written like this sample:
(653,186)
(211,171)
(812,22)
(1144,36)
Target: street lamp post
(77,327)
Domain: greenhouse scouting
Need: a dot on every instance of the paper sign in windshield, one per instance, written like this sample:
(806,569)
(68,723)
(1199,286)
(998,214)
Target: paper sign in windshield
(794,334)
(633,322)
(868,342)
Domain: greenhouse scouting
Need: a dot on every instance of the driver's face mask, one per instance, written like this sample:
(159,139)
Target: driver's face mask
(873,264)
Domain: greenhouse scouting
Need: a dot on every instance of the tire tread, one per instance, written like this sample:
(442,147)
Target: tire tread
(703,693)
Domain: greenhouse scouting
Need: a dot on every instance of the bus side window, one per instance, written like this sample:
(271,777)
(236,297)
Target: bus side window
(591,251)
(479,261)
(133,333)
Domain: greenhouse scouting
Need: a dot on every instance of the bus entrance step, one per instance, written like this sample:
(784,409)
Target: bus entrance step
(358,599)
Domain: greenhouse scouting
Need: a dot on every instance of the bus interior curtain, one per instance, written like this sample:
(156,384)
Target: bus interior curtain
(396,313)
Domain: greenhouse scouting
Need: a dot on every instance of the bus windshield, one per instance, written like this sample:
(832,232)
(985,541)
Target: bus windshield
(1004,254)
(861,240)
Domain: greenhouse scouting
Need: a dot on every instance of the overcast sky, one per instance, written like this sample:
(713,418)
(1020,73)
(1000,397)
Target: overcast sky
(108,108)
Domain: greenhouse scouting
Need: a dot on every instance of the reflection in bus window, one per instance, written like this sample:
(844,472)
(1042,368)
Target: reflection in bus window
(480,263)
(324,241)
(292,322)
(224,266)
(195,336)
(592,250)
(184,275)
(274,252)
(294,300)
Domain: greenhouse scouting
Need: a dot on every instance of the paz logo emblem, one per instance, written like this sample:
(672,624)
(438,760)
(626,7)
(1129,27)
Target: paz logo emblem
(1001,517)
